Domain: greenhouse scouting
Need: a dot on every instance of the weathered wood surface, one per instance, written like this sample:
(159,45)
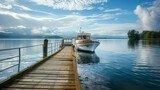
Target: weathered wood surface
(58,72)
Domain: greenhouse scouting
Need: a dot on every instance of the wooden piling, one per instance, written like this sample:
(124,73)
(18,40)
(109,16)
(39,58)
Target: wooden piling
(45,48)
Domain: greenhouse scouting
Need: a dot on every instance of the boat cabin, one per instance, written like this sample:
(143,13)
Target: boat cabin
(83,35)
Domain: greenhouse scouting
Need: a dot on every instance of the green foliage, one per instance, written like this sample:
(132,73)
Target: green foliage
(133,35)
(150,35)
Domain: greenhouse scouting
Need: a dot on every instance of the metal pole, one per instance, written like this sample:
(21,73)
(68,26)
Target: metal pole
(54,47)
(51,48)
(57,46)
(19,61)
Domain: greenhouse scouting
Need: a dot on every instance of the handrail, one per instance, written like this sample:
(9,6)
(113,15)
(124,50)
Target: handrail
(8,58)
(20,47)
(31,58)
(8,67)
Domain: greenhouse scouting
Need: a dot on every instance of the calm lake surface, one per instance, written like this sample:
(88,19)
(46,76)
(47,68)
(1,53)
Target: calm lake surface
(117,64)
(121,65)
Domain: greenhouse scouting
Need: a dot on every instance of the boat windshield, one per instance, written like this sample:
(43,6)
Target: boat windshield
(83,36)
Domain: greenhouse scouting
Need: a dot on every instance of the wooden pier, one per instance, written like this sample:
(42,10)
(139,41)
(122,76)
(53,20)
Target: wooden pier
(58,71)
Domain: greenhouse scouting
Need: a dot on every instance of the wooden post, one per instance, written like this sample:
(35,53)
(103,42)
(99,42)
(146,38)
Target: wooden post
(19,61)
(62,43)
(51,48)
(45,48)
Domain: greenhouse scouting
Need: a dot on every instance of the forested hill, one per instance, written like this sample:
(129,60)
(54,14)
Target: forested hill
(135,35)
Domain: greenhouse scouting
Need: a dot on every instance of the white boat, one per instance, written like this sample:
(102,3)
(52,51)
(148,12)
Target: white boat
(83,42)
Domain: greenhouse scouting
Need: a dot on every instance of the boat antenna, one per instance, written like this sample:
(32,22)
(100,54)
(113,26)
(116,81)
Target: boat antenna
(80,29)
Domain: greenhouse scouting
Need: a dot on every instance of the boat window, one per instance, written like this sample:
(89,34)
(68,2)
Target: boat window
(88,37)
(79,37)
(84,37)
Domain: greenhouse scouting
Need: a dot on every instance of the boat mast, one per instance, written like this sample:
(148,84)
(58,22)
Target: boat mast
(81,32)
(80,29)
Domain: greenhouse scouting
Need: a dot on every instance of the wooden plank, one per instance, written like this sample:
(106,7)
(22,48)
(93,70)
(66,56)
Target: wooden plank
(45,83)
(42,86)
(45,75)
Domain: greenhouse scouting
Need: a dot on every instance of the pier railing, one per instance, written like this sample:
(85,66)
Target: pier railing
(67,41)
(14,60)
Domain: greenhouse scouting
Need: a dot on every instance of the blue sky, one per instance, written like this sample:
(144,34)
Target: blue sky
(65,17)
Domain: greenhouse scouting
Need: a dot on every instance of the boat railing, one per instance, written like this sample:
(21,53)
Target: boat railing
(87,34)
(67,41)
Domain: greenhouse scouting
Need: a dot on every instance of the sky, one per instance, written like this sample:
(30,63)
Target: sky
(65,17)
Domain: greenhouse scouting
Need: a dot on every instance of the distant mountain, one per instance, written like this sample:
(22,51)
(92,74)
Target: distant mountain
(24,33)
(13,35)
(108,37)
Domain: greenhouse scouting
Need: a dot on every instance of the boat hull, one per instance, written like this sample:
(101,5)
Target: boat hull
(89,47)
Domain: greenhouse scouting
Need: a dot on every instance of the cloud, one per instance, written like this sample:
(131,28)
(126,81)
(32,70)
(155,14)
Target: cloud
(113,10)
(105,16)
(41,30)
(2,6)
(22,7)
(101,8)
(28,19)
(114,29)
(21,26)
(23,15)
(149,17)
(69,4)
(17,30)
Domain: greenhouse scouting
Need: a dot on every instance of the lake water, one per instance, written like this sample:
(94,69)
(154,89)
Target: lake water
(117,64)
(121,65)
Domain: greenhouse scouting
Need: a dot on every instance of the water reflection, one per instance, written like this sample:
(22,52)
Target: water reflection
(145,43)
(150,42)
(133,44)
(148,53)
(85,57)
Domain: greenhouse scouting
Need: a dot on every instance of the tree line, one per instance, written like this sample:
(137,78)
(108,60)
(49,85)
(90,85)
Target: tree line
(135,35)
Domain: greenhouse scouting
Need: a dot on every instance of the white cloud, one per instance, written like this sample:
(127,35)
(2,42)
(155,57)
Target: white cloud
(41,30)
(22,7)
(2,6)
(105,16)
(23,15)
(14,15)
(113,10)
(21,26)
(18,27)
(69,4)
(9,1)
(101,8)
(149,17)
(112,29)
